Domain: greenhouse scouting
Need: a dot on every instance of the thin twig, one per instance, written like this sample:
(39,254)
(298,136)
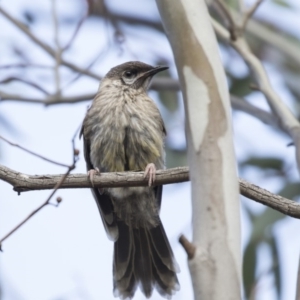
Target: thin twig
(228,19)
(33,153)
(38,208)
(161,84)
(156,84)
(56,187)
(45,46)
(25,65)
(249,13)
(25,81)
(78,26)
(286,118)
(50,100)
(58,51)
(256,112)
(78,75)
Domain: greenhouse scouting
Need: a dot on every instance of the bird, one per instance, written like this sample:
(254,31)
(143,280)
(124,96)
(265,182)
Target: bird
(123,131)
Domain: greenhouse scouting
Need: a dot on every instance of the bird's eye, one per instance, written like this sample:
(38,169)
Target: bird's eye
(130,74)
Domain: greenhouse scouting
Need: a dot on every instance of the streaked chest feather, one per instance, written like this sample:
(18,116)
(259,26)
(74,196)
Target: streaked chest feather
(125,132)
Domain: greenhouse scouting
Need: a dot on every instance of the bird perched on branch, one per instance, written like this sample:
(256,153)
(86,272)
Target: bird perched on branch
(124,131)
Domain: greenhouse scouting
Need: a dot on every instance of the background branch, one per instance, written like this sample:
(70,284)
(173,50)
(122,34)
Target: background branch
(32,153)
(285,116)
(256,112)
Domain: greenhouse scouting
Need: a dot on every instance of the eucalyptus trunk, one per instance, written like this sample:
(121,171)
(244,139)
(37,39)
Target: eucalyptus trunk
(216,265)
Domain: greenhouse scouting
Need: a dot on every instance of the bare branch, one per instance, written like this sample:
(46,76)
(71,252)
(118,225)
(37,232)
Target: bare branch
(47,202)
(25,30)
(25,81)
(227,18)
(164,83)
(58,51)
(101,10)
(78,26)
(157,84)
(264,116)
(78,75)
(50,100)
(24,182)
(236,103)
(55,188)
(248,15)
(189,248)
(284,45)
(46,47)
(25,65)
(286,118)
(33,153)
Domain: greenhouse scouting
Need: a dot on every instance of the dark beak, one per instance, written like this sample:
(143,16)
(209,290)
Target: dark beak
(145,79)
(155,71)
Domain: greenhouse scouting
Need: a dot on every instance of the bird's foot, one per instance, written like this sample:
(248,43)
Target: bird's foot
(150,172)
(91,173)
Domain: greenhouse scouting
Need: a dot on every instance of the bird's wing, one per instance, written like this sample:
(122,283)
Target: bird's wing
(103,200)
(158,194)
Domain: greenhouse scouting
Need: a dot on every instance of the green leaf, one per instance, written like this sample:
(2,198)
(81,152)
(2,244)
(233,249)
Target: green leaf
(240,86)
(250,214)
(282,3)
(262,224)
(249,267)
(169,99)
(175,158)
(264,221)
(291,190)
(265,163)
(276,264)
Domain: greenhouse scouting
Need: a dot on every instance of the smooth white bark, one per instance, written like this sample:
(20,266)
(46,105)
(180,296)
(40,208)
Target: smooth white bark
(216,266)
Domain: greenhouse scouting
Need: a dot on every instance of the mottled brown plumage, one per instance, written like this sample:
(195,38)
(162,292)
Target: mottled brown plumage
(123,130)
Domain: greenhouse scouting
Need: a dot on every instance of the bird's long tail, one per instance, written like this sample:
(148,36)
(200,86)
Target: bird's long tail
(143,257)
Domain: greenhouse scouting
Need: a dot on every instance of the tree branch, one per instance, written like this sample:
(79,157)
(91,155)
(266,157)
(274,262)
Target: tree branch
(227,17)
(157,84)
(287,120)
(55,187)
(249,13)
(166,83)
(25,81)
(263,115)
(23,182)
(33,153)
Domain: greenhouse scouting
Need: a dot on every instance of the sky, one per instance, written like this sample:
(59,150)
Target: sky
(64,253)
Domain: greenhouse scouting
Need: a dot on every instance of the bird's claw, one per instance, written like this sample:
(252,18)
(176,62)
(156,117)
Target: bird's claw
(150,171)
(91,173)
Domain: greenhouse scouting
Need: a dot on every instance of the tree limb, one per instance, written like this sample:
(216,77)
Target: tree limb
(254,111)
(286,118)
(157,84)
(249,13)
(23,182)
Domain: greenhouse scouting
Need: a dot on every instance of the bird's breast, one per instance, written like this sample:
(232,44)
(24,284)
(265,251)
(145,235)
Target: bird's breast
(126,136)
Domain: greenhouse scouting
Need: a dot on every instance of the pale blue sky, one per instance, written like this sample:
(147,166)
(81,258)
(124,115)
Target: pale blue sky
(63,253)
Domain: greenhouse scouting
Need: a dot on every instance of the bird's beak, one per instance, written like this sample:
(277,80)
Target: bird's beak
(154,71)
(145,78)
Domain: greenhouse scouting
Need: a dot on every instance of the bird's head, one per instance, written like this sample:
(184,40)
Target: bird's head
(134,74)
